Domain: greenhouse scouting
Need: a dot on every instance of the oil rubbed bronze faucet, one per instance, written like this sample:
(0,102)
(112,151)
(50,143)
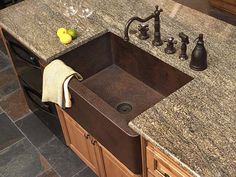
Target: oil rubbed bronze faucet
(157,34)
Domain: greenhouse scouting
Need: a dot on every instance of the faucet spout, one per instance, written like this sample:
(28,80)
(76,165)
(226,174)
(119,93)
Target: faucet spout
(157,35)
(126,33)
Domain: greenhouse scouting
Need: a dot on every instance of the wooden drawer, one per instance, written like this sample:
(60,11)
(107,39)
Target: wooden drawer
(160,165)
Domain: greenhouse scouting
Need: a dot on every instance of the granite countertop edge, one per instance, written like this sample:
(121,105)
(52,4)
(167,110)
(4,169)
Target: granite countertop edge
(163,149)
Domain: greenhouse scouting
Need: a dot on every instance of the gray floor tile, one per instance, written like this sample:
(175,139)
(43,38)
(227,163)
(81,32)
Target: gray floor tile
(8,80)
(49,173)
(9,132)
(2,47)
(61,158)
(22,160)
(35,130)
(3,61)
(86,173)
(9,87)
(6,76)
(15,105)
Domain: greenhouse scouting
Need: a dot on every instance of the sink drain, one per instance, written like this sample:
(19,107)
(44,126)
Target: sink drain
(124,108)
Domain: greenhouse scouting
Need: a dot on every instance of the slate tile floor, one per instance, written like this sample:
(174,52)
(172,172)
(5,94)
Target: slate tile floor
(27,147)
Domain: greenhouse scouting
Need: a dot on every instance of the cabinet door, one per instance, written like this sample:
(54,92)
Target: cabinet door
(151,175)
(82,143)
(114,168)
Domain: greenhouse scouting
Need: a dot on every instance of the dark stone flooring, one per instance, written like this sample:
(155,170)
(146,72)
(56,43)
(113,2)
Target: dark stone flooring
(27,147)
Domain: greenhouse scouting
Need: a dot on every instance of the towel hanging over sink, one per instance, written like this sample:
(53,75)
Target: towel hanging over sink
(56,77)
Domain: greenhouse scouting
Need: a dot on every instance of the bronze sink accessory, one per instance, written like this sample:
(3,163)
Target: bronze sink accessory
(157,34)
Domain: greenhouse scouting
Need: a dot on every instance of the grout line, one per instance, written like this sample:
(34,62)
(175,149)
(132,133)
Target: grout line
(47,171)
(33,145)
(80,170)
(24,116)
(6,96)
(5,68)
(43,172)
(56,172)
(13,144)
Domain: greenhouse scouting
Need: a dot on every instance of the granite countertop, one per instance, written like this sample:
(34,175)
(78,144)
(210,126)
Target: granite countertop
(196,124)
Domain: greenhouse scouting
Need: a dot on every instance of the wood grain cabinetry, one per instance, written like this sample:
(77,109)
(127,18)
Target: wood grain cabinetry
(159,164)
(104,164)
(114,168)
(97,157)
(83,144)
(226,5)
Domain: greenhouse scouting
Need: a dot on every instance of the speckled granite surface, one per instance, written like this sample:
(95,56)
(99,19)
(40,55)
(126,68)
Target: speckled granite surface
(35,22)
(196,124)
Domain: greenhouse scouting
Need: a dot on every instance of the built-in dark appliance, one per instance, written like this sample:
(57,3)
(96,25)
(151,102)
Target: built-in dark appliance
(6,3)
(30,75)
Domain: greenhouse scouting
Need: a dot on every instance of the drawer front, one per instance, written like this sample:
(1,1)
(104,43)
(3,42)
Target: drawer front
(161,165)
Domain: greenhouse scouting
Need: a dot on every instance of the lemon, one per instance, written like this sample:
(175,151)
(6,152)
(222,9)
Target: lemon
(73,33)
(61,31)
(65,38)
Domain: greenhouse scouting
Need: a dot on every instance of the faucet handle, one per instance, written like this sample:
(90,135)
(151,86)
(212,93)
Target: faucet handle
(143,28)
(184,38)
(158,11)
(170,48)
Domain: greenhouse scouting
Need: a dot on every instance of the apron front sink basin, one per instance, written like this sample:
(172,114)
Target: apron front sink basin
(120,82)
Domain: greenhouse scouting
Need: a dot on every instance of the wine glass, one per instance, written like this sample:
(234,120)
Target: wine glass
(86,8)
(69,7)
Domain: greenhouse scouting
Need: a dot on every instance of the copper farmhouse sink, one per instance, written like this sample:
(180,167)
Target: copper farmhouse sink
(120,82)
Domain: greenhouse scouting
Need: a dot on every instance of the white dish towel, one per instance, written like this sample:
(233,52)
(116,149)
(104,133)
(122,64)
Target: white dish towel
(56,77)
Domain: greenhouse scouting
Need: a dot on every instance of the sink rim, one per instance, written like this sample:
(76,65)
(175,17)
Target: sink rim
(98,103)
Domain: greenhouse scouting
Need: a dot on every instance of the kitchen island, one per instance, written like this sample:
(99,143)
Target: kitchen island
(196,124)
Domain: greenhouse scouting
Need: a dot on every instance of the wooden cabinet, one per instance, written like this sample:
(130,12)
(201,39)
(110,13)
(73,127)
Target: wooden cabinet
(104,164)
(159,164)
(83,144)
(151,175)
(97,157)
(226,5)
(114,168)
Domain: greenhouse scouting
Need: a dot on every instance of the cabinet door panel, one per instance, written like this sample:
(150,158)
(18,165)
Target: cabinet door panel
(111,168)
(151,175)
(81,144)
(114,168)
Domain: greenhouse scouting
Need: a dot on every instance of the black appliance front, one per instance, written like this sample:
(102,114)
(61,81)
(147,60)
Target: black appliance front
(6,3)
(30,76)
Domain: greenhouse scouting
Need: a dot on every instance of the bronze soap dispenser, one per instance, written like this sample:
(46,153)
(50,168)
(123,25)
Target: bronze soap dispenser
(199,55)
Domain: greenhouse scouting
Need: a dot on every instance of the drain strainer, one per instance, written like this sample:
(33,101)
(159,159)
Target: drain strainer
(124,108)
